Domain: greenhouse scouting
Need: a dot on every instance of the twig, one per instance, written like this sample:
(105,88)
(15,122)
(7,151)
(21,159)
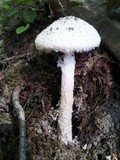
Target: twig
(31,113)
(22,125)
(12,58)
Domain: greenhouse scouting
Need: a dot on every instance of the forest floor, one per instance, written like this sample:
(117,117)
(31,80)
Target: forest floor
(96,111)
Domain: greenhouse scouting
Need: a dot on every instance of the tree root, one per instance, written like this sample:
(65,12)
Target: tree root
(22,124)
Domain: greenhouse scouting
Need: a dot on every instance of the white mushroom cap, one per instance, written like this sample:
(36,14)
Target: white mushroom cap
(68,34)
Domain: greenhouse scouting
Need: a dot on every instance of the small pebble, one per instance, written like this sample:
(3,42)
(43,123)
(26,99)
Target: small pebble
(85,147)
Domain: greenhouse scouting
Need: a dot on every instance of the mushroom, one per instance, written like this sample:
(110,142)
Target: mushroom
(68,35)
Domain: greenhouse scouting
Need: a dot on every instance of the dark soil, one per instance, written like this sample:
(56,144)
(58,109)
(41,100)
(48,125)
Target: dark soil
(96,120)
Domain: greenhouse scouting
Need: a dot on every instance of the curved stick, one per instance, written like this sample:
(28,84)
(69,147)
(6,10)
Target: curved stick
(22,125)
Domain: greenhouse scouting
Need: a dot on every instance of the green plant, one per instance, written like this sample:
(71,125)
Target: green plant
(15,12)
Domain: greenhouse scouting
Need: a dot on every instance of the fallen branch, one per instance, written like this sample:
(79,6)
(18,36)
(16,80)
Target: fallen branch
(22,125)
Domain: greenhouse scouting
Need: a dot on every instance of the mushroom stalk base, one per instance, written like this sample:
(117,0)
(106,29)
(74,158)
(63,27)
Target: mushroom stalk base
(66,102)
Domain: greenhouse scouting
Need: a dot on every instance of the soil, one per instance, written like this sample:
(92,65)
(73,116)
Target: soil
(96,111)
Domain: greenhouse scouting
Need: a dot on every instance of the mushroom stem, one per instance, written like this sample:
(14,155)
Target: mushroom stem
(66,103)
